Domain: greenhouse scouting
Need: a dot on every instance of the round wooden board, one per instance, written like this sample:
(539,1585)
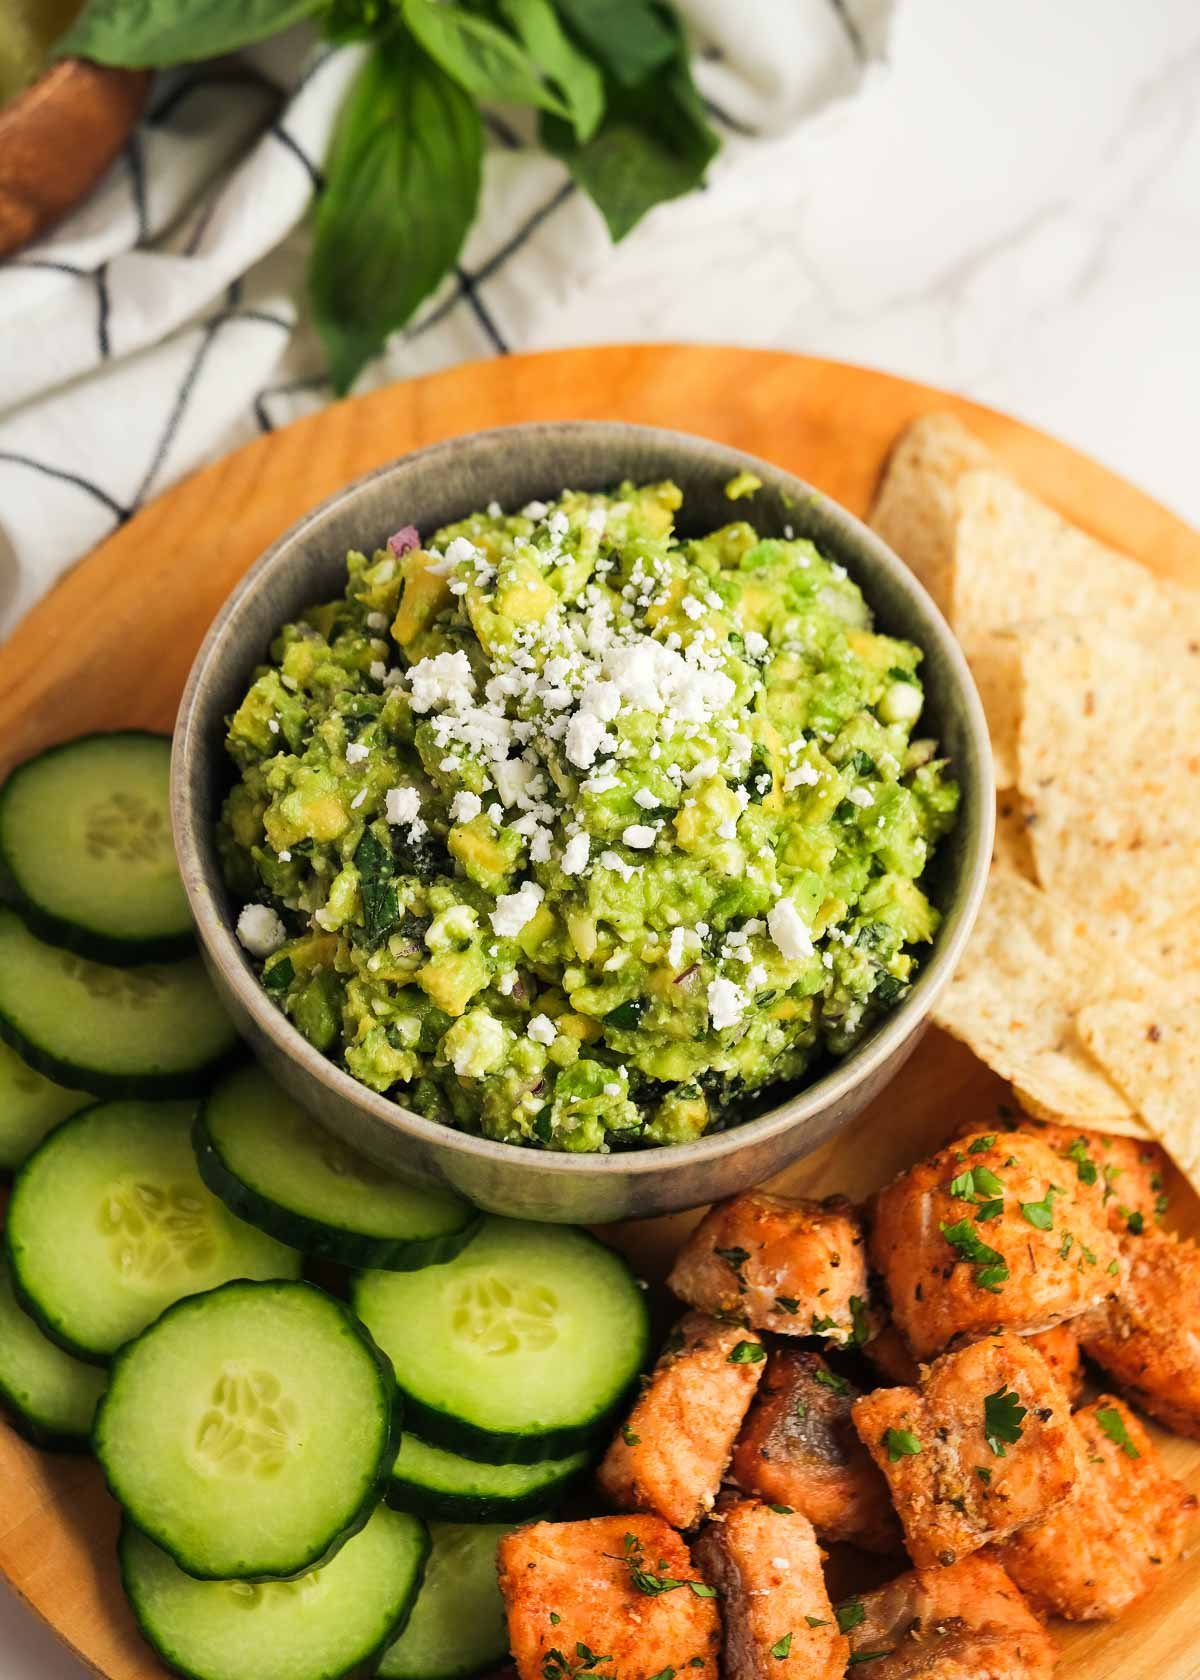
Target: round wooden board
(112,644)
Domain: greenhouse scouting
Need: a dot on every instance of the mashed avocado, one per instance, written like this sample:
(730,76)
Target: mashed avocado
(574,833)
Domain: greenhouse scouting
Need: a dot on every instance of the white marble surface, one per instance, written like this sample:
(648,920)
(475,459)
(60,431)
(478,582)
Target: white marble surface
(1011,208)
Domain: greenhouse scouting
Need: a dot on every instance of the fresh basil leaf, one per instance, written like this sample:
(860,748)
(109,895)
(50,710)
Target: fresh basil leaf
(654,144)
(631,38)
(402,187)
(150,34)
(481,58)
(558,58)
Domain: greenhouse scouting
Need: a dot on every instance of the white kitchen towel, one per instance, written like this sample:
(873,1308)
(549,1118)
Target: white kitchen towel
(163,322)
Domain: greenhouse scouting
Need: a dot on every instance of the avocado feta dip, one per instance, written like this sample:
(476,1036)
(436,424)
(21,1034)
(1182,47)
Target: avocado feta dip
(570,831)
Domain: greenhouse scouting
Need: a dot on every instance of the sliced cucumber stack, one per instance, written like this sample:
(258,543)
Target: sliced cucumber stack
(30,1106)
(436,1483)
(85,847)
(250,1431)
(517,1350)
(274,1166)
(109,1223)
(328,1625)
(157,1030)
(50,1397)
(457,1626)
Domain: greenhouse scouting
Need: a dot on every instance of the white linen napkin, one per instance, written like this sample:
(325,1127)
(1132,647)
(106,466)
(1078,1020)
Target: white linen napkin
(163,322)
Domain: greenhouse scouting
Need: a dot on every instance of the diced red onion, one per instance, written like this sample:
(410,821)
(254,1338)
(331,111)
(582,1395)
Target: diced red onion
(402,540)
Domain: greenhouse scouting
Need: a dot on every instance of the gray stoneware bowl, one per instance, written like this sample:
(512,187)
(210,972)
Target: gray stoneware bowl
(515,465)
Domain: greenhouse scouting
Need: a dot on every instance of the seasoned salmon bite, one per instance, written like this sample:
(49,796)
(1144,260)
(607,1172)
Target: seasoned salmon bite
(968,1622)
(798,1268)
(671,1452)
(1148,1339)
(1128,1174)
(990,1234)
(984,1446)
(1107,1545)
(615,1596)
(766,1568)
(799,1448)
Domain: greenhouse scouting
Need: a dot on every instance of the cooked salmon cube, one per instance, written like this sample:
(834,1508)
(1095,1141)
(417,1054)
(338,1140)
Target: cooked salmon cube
(798,1268)
(1148,1339)
(983,1447)
(968,1622)
(1128,1174)
(778,1621)
(612,1596)
(889,1353)
(1107,1545)
(671,1452)
(990,1234)
(1060,1349)
(799,1448)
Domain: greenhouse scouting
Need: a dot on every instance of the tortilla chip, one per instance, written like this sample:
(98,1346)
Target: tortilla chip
(1108,767)
(915,508)
(1134,1127)
(1010,848)
(1030,965)
(1016,559)
(1152,1051)
(994,659)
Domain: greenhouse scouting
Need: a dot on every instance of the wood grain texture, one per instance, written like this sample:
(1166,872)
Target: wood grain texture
(112,644)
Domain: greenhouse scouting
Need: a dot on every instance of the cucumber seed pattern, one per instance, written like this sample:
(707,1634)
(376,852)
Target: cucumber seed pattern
(250,1426)
(138,987)
(248,1595)
(159,1232)
(503,1315)
(128,828)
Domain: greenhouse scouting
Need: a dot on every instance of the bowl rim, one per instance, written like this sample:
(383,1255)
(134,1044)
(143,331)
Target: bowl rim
(832,1087)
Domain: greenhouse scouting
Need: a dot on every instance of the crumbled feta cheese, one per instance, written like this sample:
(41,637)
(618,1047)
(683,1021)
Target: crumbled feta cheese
(612,1089)
(692,608)
(465,807)
(446,679)
(615,862)
(541,1029)
(402,805)
(640,836)
(535,510)
(585,736)
(356,752)
(376,621)
(272,726)
(647,800)
(377,670)
(788,931)
(358,799)
(575,854)
(459,549)
(284,857)
(726,1003)
(806,775)
(260,930)
(861,796)
(513,910)
(756,644)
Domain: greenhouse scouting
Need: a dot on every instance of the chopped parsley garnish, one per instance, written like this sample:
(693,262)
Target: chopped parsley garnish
(555,1665)
(858,1318)
(279,976)
(735,1259)
(1002,1414)
(782,1510)
(1135,1224)
(900,1443)
(664,1674)
(1113,1268)
(555,1618)
(747,1353)
(1084,1165)
(989,1210)
(629,1438)
(1113,1425)
(982,1144)
(1065,1249)
(868,1656)
(1041,1214)
(975,1184)
(787,1303)
(830,1379)
(817,1621)
(850,1614)
(782,1647)
(702,1590)
(984,1474)
(649,1581)
(821,1325)
(991,1269)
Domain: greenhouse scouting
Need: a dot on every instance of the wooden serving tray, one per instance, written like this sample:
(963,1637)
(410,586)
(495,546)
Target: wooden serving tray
(112,644)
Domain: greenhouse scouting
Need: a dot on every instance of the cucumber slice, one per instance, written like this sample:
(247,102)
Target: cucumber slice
(30,1106)
(50,1397)
(436,1483)
(518,1349)
(85,846)
(154,1031)
(109,1223)
(249,1432)
(328,1625)
(274,1166)
(457,1626)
